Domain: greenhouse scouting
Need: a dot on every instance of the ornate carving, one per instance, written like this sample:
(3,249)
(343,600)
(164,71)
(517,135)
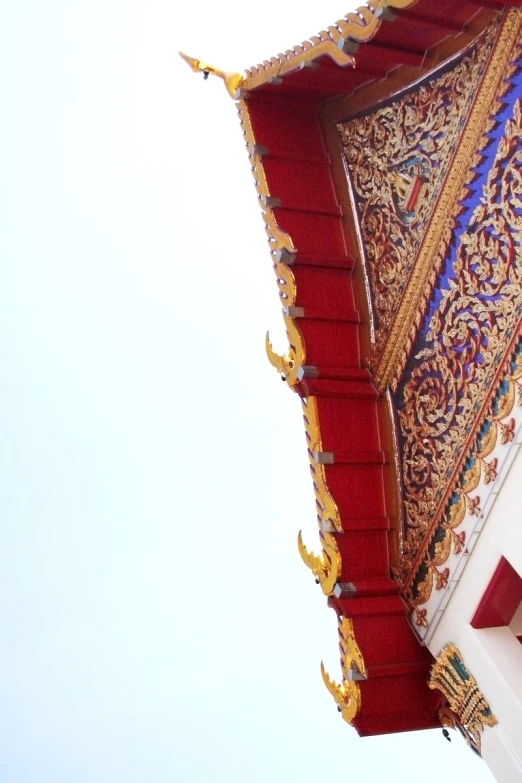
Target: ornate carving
(328,516)
(280,244)
(445,272)
(325,567)
(440,232)
(398,158)
(470,709)
(351,656)
(357,26)
(233,81)
(347,695)
(459,377)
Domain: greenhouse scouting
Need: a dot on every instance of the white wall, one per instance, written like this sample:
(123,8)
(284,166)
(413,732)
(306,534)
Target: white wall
(493,655)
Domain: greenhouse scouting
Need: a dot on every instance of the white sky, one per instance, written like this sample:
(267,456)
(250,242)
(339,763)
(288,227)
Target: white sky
(157,622)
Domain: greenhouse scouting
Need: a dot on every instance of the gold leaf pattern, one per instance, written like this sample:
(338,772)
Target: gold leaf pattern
(405,146)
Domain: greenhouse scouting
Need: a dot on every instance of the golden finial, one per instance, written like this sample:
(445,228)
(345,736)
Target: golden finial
(326,567)
(283,364)
(233,81)
(347,696)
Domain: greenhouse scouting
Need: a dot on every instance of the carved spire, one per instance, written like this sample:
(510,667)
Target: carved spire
(325,567)
(347,696)
(233,81)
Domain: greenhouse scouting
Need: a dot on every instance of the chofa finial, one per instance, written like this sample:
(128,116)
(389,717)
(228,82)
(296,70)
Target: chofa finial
(347,696)
(326,567)
(233,81)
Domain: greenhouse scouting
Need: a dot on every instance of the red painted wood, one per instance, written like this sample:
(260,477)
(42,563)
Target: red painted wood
(345,262)
(324,289)
(359,457)
(377,585)
(332,343)
(497,4)
(501,598)
(364,554)
(301,184)
(280,122)
(390,642)
(323,236)
(366,523)
(338,389)
(293,154)
(389,56)
(351,422)
(336,373)
(395,697)
(341,314)
(358,489)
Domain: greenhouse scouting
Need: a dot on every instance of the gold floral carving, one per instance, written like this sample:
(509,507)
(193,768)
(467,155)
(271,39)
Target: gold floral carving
(398,158)
(440,232)
(347,695)
(451,677)
(358,26)
(468,357)
(463,502)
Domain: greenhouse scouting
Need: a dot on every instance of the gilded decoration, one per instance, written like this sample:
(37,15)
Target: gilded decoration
(468,708)
(435,178)
(464,374)
(326,567)
(280,246)
(357,26)
(347,695)
(397,159)
(232,81)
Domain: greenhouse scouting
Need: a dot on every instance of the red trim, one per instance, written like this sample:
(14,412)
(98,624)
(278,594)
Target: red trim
(501,598)
(288,135)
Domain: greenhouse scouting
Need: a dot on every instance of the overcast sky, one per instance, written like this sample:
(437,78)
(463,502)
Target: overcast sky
(157,623)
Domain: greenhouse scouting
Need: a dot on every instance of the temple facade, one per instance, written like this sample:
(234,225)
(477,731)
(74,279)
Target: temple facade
(387,156)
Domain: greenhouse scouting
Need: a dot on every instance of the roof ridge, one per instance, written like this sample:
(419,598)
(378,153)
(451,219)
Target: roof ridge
(358,26)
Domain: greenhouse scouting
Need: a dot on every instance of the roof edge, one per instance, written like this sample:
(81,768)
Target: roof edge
(356,26)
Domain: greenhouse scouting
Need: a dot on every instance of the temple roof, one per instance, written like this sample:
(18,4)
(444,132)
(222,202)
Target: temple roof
(378,148)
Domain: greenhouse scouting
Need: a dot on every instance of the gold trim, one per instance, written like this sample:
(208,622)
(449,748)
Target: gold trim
(280,244)
(351,656)
(496,395)
(462,485)
(327,512)
(233,81)
(347,695)
(451,677)
(325,567)
(359,26)
(403,331)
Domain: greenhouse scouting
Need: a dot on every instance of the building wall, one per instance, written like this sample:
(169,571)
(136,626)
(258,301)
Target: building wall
(492,655)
